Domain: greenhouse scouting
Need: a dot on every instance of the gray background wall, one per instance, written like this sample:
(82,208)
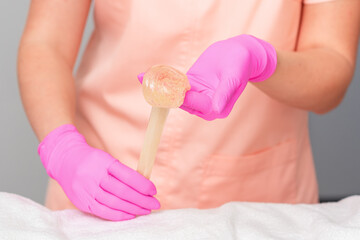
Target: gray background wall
(335,136)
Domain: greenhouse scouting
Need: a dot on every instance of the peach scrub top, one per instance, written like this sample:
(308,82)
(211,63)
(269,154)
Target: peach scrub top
(260,152)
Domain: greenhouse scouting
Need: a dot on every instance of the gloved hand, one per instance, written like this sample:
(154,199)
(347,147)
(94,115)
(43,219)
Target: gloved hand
(93,180)
(221,73)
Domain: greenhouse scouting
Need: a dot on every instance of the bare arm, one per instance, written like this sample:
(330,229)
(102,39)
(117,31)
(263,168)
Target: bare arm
(316,76)
(47,54)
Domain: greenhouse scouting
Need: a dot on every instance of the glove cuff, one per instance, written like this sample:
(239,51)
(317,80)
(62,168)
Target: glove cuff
(49,143)
(270,61)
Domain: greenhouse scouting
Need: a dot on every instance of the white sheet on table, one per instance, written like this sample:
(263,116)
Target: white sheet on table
(21,218)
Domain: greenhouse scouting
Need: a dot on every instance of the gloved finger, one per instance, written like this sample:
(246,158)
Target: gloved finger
(132,178)
(123,191)
(116,203)
(140,77)
(190,110)
(208,117)
(233,98)
(223,95)
(197,102)
(107,213)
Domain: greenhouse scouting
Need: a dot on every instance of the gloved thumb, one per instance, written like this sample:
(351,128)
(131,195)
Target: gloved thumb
(140,77)
(196,102)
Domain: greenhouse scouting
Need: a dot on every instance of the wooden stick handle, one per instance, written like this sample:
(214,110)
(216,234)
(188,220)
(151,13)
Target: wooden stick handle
(152,138)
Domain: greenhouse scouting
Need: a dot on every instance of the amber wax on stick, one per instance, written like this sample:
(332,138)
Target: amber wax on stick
(163,87)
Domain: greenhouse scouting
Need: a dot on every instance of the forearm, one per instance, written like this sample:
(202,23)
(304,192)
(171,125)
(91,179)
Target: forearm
(314,80)
(46,87)
(316,76)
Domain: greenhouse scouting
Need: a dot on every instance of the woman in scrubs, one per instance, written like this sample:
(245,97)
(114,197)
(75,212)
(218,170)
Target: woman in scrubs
(256,68)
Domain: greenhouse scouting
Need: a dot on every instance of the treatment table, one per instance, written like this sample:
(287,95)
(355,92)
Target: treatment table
(21,218)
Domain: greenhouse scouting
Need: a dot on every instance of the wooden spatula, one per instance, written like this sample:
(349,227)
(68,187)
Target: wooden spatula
(164,87)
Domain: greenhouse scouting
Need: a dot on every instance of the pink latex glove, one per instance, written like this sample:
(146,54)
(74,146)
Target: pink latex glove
(93,180)
(220,74)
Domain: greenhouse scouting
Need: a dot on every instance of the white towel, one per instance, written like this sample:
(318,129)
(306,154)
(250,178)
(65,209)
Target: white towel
(21,218)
